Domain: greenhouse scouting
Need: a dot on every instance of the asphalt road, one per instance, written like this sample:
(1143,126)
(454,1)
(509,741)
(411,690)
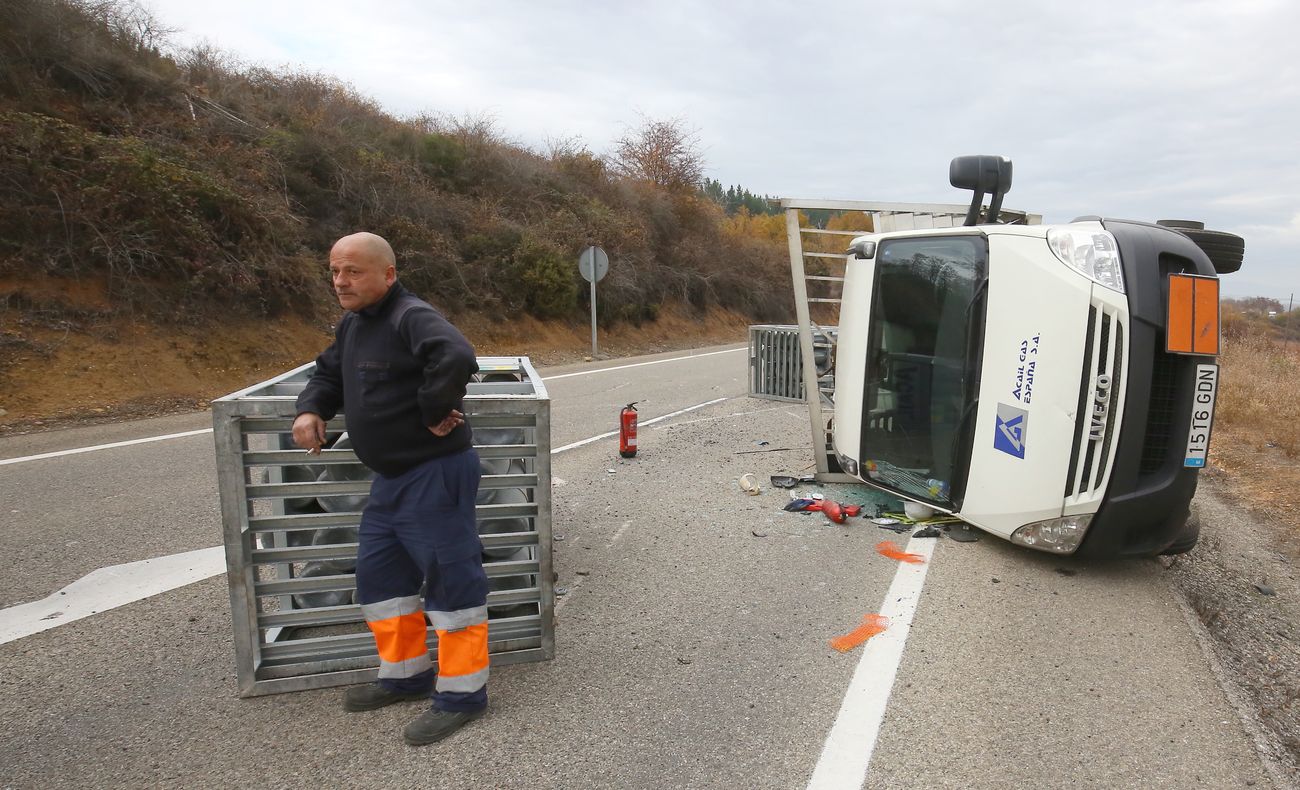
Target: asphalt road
(692,644)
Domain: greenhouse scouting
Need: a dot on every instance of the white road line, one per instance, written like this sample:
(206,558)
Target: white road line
(647,422)
(847,753)
(642,364)
(146,440)
(128,443)
(109,588)
(118,585)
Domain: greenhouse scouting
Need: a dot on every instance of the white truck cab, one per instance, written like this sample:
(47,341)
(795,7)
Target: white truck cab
(1050,384)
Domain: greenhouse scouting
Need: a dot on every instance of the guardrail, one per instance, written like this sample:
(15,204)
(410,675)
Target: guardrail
(290,526)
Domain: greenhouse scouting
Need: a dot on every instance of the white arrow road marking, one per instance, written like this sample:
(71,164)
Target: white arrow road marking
(109,588)
(847,753)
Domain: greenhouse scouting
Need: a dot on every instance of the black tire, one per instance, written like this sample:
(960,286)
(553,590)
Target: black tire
(1181,224)
(1187,538)
(1224,250)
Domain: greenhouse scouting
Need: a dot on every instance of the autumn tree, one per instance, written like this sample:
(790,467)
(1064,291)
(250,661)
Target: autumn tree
(663,152)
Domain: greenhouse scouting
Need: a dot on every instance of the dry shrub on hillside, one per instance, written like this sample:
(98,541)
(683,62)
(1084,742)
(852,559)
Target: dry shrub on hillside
(190,182)
(1257,388)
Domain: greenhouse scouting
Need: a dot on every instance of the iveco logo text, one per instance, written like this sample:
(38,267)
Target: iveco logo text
(1100,409)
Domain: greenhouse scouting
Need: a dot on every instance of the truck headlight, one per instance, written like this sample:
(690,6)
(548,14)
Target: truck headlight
(1092,252)
(847,464)
(1057,535)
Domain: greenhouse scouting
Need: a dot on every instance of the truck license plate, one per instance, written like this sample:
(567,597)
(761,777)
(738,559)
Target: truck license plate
(1198,438)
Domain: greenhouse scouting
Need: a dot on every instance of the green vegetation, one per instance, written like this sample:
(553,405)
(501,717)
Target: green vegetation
(193,187)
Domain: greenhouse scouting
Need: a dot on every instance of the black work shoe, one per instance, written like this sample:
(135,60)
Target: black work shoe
(373,696)
(434,725)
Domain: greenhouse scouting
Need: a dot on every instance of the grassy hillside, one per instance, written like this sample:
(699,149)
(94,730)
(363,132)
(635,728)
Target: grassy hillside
(188,188)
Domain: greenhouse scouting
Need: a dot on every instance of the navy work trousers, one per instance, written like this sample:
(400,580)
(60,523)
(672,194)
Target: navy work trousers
(419,528)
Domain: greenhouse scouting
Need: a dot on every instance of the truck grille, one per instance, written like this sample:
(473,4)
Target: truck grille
(1103,359)
(1160,415)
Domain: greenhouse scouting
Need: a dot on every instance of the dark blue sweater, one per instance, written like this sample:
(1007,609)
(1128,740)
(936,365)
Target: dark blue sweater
(395,368)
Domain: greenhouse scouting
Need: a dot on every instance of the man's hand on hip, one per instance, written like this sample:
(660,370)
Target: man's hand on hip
(448,424)
(309,432)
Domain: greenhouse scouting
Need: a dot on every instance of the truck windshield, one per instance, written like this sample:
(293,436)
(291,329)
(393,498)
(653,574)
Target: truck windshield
(923,361)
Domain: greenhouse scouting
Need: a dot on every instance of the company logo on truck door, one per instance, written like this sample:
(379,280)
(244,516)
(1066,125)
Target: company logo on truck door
(1012,430)
(1100,409)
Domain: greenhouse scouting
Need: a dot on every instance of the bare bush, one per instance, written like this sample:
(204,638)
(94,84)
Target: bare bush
(664,152)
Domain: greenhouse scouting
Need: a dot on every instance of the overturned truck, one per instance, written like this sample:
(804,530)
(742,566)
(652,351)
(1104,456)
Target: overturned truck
(1053,385)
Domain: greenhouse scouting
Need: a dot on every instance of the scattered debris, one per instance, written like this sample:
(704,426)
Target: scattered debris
(891,550)
(928,532)
(681,660)
(1264,589)
(790,481)
(52,615)
(763,443)
(996,580)
(764,450)
(749,484)
(891,524)
(758,534)
(557,538)
(872,624)
(584,572)
(839,513)
(561,590)
(962,534)
(610,471)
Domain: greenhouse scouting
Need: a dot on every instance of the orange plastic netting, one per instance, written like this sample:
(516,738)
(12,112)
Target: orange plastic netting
(872,624)
(889,549)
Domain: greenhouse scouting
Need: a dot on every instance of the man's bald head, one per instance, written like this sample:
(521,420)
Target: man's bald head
(367,245)
(363,268)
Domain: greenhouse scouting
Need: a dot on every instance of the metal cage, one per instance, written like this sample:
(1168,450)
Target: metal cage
(290,523)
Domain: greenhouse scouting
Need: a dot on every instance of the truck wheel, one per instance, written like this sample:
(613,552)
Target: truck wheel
(1187,538)
(1224,250)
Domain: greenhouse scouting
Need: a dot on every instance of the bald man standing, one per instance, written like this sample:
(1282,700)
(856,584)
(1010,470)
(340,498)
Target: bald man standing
(400,371)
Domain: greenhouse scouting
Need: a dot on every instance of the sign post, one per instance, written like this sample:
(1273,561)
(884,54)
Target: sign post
(593,263)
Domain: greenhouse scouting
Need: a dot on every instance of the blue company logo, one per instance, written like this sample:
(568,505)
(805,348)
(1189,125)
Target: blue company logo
(1012,430)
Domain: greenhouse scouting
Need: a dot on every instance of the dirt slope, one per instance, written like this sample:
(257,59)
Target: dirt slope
(119,369)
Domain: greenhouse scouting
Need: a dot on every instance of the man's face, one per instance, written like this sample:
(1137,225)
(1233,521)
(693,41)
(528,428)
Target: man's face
(360,280)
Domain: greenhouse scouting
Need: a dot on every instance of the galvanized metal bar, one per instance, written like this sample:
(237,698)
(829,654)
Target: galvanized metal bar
(325,676)
(351,613)
(809,373)
(823,231)
(303,521)
(363,643)
(237,538)
(332,551)
(312,489)
(299,458)
(542,524)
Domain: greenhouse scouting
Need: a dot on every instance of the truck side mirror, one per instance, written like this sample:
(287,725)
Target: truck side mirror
(982,174)
(862,249)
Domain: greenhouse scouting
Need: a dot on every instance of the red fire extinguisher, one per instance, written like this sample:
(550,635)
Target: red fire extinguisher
(627,431)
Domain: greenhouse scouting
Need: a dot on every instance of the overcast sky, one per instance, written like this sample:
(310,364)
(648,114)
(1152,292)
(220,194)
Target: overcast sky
(1141,110)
